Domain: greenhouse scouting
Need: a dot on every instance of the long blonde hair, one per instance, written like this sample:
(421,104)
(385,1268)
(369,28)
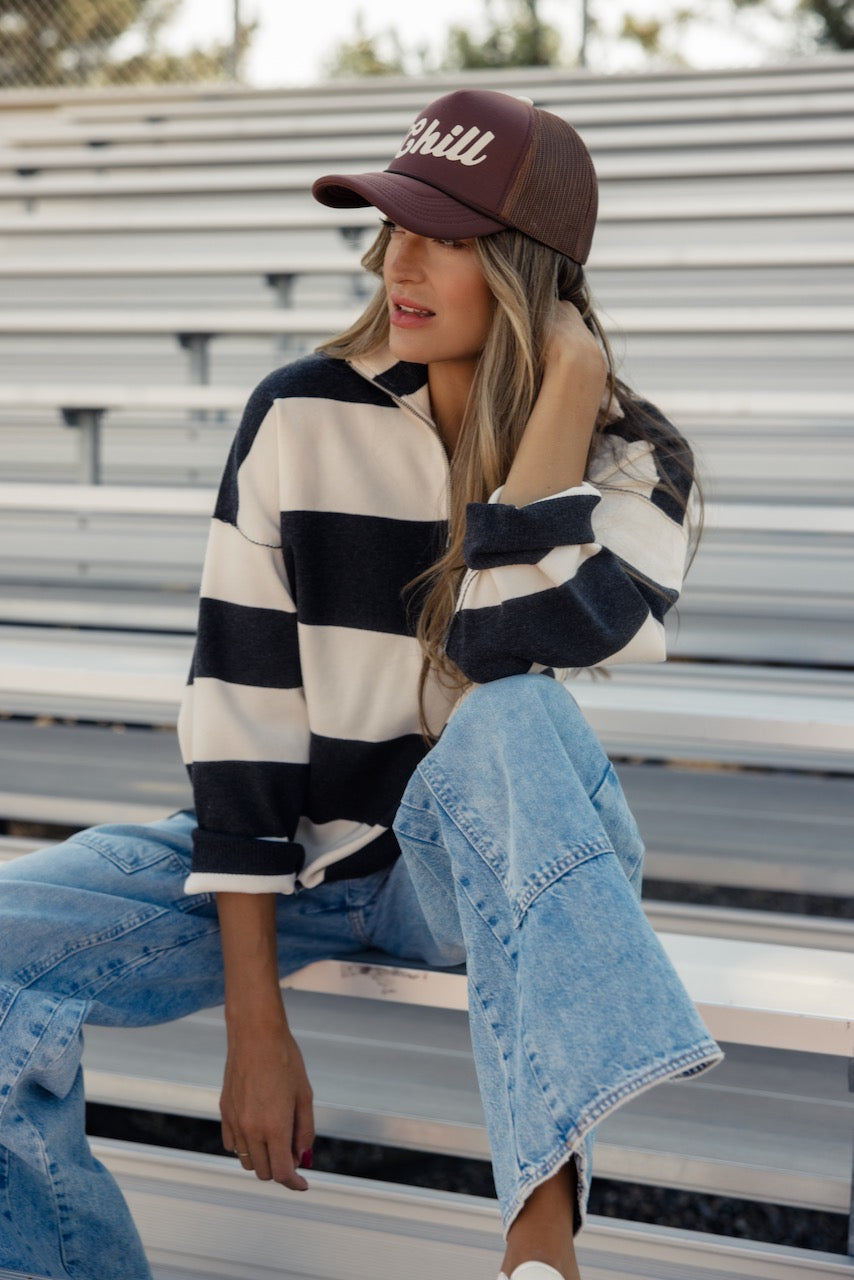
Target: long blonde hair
(525,277)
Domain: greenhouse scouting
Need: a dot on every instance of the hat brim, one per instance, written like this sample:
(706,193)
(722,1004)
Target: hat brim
(414,204)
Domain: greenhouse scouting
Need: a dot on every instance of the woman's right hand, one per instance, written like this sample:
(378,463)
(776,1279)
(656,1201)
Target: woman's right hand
(266,1100)
(266,1104)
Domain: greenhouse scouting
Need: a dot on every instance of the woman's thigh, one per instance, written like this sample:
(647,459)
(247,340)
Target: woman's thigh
(103,918)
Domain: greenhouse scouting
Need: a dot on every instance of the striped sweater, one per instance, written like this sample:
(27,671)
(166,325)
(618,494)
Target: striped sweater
(300,720)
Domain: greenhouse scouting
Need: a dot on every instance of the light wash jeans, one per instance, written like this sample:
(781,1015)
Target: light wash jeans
(519,856)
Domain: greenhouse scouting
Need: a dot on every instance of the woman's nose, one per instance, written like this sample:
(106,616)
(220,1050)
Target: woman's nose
(406,255)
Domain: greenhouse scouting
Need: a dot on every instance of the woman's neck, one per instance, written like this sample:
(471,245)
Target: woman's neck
(450,383)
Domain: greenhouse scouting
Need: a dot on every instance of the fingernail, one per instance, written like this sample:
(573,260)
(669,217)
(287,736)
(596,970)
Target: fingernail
(306,1159)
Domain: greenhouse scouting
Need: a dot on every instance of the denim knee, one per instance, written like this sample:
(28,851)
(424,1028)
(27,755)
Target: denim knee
(519,750)
(513,714)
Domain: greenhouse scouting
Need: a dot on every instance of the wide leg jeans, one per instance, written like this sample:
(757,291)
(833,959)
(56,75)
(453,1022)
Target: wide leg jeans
(520,857)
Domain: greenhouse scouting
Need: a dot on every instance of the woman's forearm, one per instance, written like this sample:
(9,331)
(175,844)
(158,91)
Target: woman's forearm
(249,950)
(266,1100)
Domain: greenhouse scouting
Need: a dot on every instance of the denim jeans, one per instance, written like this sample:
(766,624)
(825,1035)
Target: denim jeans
(520,857)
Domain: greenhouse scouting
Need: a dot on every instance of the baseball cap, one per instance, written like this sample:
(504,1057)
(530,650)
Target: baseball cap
(476,161)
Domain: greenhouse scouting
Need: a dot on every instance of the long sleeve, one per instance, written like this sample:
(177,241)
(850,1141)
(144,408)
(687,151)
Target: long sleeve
(580,579)
(243,727)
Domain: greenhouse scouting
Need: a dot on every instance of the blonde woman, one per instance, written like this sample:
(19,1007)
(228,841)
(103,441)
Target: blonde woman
(422,533)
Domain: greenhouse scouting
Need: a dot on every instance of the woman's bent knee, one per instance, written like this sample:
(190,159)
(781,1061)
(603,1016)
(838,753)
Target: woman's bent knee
(523,716)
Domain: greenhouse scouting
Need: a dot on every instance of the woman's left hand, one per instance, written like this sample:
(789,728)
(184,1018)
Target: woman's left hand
(552,454)
(573,353)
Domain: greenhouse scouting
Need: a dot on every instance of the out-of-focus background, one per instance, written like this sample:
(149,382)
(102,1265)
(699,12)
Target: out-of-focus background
(276,42)
(159,253)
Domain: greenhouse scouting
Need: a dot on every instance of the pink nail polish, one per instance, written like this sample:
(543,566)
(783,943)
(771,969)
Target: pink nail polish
(306,1159)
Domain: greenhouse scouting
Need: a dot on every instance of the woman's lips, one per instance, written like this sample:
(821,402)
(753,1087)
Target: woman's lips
(405,314)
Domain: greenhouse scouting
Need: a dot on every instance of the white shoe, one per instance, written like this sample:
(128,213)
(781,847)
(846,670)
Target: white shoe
(533,1271)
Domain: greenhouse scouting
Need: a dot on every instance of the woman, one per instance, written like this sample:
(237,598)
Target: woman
(418,530)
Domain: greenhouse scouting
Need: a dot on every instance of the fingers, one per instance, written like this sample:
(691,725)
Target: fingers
(303,1131)
(285,1168)
(266,1109)
(275,1157)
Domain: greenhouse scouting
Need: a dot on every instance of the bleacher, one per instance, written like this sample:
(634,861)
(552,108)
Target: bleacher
(159,252)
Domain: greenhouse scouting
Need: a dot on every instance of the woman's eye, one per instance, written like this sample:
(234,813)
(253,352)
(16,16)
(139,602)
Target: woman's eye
(387,222)
(453,244)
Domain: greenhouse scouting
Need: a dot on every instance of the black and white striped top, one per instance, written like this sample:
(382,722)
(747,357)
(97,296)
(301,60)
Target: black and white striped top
(300,721)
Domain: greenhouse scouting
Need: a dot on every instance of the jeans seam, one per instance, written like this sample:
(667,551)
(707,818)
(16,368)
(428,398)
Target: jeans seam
(55,1199)
(534,886)
(548,876)
(608,770)
(95,986)
(356,918)
(571,1144)
(28,976)
(6,1155)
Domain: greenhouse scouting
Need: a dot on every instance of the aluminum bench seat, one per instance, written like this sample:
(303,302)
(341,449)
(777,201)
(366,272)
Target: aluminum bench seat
(768,582)
(723,183)
(778,830)
(703,320)
(346,140)
(795,220)
(753,445)
(708,410)
(620,151)
(731,713)
(200,1216)
(733,91)
(778,927)
(721,346)
(768,117)
(293,262)
(774,1122)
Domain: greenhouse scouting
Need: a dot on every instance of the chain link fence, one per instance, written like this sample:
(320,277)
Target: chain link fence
(98,43)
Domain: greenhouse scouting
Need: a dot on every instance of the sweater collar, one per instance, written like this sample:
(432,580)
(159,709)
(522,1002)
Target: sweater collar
(404,381)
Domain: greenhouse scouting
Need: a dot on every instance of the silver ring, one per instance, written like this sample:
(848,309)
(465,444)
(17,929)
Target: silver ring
(241,1155)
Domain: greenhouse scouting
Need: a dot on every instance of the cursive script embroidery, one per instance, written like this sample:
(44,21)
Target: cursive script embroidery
(429,140)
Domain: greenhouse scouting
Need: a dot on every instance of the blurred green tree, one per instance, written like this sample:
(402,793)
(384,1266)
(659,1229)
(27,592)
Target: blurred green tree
(835,20)
(519,39)
(804,25)
(79,42)
(364,53)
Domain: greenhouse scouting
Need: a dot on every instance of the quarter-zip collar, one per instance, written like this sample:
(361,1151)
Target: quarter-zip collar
(403,380)
(407,384)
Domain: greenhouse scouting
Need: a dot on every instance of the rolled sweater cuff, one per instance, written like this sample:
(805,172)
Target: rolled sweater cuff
(219,853)
(499,534)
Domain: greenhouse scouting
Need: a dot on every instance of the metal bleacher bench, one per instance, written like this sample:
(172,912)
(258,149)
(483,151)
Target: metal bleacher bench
(753,996)
(194,330)
(351,142)
(420,1091)
(770,446)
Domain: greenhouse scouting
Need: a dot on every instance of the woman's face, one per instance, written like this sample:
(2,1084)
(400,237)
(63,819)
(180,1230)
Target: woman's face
(440,307)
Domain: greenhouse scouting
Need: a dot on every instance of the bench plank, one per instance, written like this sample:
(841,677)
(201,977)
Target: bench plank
(405,1077)
(829,319)
(201,1216)
(748,992)
(681,710)
(783,831)
(348,140)
(275,171)
(670,917)
(270,262)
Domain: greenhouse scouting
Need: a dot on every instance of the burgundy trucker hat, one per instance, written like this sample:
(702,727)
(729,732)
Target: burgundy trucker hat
(476,161)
